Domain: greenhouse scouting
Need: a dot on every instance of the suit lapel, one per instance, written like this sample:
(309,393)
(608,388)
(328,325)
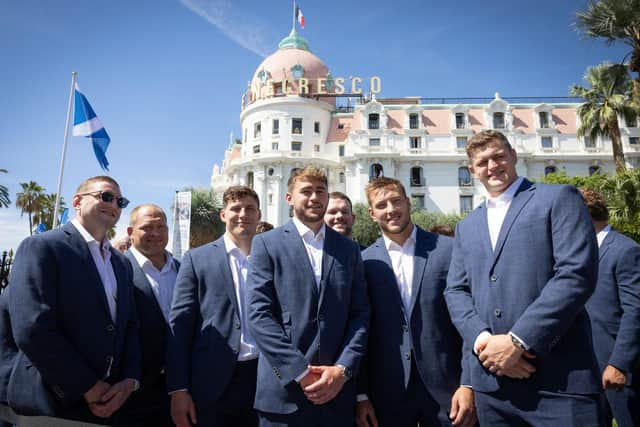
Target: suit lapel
(606,243)
(220,260)
(383,255)
(521,198)
(421,254)
(300,255)
(76,240)
(328,258)
(140,277)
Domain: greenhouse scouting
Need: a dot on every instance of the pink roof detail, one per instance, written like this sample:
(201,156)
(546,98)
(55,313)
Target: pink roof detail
(565,119)
(523,119)
(437,121)
(395,120)
(336,134)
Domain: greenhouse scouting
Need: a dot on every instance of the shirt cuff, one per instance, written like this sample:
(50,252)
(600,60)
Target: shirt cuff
(479,338)
(520,340)
(175,391)
(362,397)
(302,375)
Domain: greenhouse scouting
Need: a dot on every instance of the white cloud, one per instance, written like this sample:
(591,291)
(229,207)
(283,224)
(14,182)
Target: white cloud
(13,229)
(237,27)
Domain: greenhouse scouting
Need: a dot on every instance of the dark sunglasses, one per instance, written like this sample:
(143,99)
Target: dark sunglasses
(107,197)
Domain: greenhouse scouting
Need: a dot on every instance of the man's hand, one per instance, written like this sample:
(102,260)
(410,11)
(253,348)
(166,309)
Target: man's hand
(500,354)
(521,370)
(183,410)
(463,409)
(113,398)
(613,378)
(327,386)
(309,379)
(93,398)
(365,415)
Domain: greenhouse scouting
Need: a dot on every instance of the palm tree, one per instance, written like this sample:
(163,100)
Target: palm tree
(605,99)
(4,194)
(46,215)
(615,21)
(206,225)
(30,200)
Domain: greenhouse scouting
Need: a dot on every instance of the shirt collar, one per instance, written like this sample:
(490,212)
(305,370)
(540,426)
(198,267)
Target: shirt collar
(143,260)
(506,195)
(230,246)
(303,230)
(88,237)
(388,243)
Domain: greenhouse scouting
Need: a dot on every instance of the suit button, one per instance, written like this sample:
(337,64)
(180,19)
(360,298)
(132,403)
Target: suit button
(58,391)
(493,278)
(321,317)
(407,356)
(497,312)
(237,325)
(110,328)
(405,328)
(235,351)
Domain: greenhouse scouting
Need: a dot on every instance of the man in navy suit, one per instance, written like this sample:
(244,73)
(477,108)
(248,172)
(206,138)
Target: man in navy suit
(212,357)
(523,266)
(73,315)
(413,370)
(614,310)
(8,351)
(154,276)
(308,313)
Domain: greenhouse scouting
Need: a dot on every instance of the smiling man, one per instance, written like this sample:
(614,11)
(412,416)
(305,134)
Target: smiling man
(308,313)
(212,357)
(73,315)
(339,214)
(154,276)
(523,266)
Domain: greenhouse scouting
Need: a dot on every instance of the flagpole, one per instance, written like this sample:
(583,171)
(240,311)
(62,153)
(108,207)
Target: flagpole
(56,219)
(293,24)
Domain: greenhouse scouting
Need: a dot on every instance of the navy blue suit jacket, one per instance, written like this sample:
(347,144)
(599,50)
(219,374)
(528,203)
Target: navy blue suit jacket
(153,339)
(614,307)
(8,349)
(296,324)
(535,284)
(426,333)
(205,325)
(62,324)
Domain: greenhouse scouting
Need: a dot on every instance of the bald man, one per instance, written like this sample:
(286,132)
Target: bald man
(154,276)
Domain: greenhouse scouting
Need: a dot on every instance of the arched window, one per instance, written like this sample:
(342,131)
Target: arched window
(374,121)
(249,181)
(375,171)
(464,177)
(417,179)
(550,169)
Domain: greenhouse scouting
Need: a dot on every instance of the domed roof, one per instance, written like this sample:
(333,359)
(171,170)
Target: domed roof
(293,60)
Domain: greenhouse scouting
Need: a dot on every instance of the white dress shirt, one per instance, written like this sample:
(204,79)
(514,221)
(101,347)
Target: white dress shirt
(162,281)
(314,244)
(497,208)
(239,265)
(602,234)
(402,264)
(102,259)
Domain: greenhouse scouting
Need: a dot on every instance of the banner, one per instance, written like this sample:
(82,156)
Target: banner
(181,223)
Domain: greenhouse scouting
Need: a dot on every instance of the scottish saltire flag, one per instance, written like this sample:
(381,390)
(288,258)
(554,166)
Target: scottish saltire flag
(64,217)
(87,124)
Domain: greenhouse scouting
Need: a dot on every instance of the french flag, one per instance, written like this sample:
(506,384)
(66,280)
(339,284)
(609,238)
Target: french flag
(300,17)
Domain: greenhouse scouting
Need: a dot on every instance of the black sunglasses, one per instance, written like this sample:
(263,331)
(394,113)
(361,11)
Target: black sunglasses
(107,197)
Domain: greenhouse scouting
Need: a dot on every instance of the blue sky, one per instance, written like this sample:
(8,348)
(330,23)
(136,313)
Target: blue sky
(166,76)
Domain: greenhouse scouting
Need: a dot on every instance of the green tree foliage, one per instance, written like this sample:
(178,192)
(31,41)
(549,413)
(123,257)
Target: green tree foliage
(425,219)
(5,201)
(365,231)
(206,225)
(615,21)
(622,192)
(607,96)
(48,205)
(29,201)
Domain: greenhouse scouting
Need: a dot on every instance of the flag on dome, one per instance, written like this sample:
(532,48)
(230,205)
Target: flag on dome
(87,124)
(300,17)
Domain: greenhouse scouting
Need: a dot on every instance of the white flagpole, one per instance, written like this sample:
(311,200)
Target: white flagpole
(293,26)
(56,219)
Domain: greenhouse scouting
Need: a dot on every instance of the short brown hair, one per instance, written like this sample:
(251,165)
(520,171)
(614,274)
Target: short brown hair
(383,183)
(340,195)
(596,204)
(263,226)
(133,216)
(84,185)
(238,192)
(307,173)
(444,229)
(483,138)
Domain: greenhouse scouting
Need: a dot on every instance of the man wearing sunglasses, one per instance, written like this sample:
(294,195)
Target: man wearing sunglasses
(73,315)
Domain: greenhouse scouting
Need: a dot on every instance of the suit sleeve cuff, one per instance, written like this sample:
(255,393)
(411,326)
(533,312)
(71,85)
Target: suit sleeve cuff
(302,375)
(520,340)
(362,397)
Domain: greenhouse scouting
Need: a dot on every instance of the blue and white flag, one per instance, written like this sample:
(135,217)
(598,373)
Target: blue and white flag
(64,217)
(87,124)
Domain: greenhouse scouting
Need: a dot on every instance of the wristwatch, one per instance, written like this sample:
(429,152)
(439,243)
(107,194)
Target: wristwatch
(516,342)
(346,372)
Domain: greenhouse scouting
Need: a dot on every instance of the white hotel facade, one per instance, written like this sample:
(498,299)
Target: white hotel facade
(417,141)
